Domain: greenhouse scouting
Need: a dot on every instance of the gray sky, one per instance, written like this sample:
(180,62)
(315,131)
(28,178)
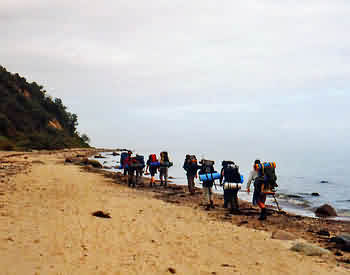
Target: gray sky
(264,75)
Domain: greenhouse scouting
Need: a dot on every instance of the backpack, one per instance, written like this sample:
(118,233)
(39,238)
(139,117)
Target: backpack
(123,156)
(141,160)
(153,158)
(231,173)
(267,171)
(124,160)
(225,163)
(164,156)
(207,166)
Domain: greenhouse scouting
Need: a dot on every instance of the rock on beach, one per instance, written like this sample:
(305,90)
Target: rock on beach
(309,249)
(326,210)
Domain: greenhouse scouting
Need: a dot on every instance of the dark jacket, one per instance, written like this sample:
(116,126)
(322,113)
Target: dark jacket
(191,168)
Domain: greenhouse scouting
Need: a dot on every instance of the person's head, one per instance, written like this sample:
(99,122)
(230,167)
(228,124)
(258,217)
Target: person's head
(129,153)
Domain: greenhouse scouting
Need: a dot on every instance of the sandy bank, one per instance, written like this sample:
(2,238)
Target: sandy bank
(47,228)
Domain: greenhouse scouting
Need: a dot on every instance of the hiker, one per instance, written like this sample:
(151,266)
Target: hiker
(264,178)
(207,170)
(152,166)
(164,165)
(136,166)
(231,179)
(124,161)
(191,167)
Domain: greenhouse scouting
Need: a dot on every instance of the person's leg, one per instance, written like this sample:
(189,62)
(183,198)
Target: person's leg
(130,177)
(152,177)
(234,201)
(210,191)
(226,198)
(261,204)
(161,175)
(136,177)
(165,176)
(191,184)
(206,197)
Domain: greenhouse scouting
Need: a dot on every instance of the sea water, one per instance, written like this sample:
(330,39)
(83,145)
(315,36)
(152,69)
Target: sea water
(295,187)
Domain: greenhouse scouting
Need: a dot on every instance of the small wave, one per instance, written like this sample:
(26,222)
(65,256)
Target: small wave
(288,196)
(301,203)
(343,201)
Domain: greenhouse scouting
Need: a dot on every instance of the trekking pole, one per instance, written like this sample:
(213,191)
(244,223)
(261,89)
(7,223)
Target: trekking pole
(278,207)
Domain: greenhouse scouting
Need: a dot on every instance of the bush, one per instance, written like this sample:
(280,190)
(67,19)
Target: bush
(6,144)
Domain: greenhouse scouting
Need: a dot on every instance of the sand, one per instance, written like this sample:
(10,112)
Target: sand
(47,228)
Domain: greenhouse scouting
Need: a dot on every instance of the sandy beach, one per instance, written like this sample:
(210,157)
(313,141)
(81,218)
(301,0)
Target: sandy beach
(47,227)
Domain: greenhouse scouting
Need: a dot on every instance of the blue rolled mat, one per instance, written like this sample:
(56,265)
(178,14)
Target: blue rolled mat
(209,176)
(155,164)
(242,179)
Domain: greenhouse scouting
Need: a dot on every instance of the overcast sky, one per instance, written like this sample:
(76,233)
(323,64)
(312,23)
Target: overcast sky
(189,75)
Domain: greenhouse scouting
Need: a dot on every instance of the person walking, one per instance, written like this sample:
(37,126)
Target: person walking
(191,167)
(207,168)
(152,166)
(164,165)
(259,197)
(231,179)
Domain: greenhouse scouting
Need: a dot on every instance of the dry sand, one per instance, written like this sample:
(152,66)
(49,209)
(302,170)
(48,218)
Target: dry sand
(47,228)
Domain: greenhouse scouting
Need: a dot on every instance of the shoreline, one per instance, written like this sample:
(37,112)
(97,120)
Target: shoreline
(289,202)
(277,220)
(46,207)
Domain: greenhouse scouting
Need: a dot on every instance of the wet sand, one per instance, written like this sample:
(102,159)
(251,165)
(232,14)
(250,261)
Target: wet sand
(47,227)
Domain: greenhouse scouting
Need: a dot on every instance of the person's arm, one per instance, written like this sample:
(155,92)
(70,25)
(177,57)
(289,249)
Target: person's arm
(250,179)
(221,176)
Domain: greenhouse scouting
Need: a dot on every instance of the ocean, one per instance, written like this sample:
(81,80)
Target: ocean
(296,182)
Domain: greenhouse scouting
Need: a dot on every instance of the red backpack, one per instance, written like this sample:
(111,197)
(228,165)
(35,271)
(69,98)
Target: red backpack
(153,158)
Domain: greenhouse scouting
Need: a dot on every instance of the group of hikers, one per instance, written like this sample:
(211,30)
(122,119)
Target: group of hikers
(262,175)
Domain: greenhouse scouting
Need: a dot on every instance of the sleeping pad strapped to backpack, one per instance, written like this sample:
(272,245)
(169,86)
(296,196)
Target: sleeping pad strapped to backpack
(153,161)
(207,173)
(266,171)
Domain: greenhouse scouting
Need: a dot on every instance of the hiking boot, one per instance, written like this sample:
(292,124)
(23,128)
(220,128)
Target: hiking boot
(212,204)
(207,207)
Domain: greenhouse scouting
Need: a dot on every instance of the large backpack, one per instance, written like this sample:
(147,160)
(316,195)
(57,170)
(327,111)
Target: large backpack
(153,158)
(267,171)
(225,163)
(141,160)
(123,157)
(231,173)
(207,166)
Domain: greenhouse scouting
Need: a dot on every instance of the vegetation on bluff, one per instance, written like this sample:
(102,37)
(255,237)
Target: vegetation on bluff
(31,119)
